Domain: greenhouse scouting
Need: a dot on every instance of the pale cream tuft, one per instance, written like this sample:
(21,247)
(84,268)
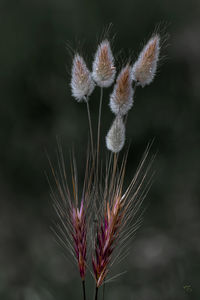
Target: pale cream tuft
(115,138)
(82,84)
(144,69)
(103,66)
(121,100)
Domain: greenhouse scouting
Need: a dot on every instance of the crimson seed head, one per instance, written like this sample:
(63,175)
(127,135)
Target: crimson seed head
(73,218)
(82,84)
(121,100)
(107,234)
(144,69)
(104,71)
(79,237)
(120,216)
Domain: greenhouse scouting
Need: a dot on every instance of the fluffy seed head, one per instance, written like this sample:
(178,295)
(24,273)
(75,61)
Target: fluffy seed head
(115,138)
(144,69)
(82,84)
(121,100)
(103,66)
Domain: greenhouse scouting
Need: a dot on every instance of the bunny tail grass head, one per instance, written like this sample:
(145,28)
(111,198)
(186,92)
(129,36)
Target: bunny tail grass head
(82,84)
(103,66)
(121,100)
(144,69)
(115,138)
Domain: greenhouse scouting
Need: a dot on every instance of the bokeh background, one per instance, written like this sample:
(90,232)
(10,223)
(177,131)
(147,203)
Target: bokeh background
(36,106)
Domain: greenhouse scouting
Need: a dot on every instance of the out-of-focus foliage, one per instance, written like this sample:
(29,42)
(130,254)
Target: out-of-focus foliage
(36,106)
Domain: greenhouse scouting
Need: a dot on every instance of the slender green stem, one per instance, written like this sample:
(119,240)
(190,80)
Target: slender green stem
(96,293)
(83,287)
(99,129)
(90,127)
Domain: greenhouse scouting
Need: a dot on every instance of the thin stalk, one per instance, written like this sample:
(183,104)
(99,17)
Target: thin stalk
(83,287)
(99,129)
(115,158)
(90,127)
(96,293)
(104,290)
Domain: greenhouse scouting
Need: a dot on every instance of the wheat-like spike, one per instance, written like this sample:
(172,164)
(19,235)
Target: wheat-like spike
(120,218)
(73,218)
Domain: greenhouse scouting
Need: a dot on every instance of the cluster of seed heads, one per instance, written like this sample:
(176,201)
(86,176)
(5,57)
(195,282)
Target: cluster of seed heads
(103,197)
(141,73)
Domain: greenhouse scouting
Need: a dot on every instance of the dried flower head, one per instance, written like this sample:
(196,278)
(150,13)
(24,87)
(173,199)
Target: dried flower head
(103,66)
(82,84)
(121,100)
(144,69)
(115,138)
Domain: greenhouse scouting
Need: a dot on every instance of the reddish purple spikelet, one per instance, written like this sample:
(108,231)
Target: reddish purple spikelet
(79,236)
(73,216)
(107,235)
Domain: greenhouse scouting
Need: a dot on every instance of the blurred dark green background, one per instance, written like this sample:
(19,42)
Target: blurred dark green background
(36,106)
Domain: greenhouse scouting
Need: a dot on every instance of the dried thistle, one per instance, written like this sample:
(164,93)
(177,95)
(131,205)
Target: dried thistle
(121,100)
(82,84)
(115,138)
(104,71)
(144,69)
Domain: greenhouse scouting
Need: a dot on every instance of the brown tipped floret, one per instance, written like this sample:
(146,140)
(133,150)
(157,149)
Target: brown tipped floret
(121,100)
(82,84)
(144,69)
(103,66)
